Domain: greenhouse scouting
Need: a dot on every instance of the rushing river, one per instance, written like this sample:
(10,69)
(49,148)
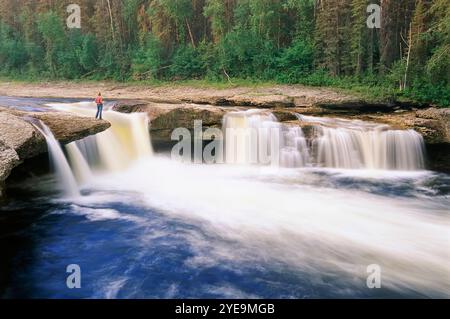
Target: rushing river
(141,225)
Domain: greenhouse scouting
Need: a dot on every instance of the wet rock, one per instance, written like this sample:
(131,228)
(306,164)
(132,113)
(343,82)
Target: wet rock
(130,106)
(68,127)
(284,116)
(163,125)
(438,157)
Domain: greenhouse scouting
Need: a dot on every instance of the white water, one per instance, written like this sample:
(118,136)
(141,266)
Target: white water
(58,160)
(286,215)
(361,145)
(280,215)
(256,137)
(115,149)
(80,166)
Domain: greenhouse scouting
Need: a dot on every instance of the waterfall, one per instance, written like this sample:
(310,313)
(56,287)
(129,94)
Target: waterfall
(256,137)
(58,160)
(127,140)
(295,151)
(350,144)
(79,164)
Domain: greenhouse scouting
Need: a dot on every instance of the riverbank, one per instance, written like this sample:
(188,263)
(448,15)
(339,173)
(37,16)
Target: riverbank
(251,95)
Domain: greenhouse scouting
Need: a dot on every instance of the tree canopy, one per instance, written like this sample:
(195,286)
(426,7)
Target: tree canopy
(319,42)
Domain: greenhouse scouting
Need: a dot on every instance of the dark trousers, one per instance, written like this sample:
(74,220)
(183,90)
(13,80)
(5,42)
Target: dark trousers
(99,111)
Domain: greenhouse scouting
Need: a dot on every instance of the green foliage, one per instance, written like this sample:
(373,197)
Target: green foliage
(51,29)
(147,60)
(320,43)
(12,50)
(295,62)
(186,64)
(397,73)
(422,91)
(89,53)
(242,53)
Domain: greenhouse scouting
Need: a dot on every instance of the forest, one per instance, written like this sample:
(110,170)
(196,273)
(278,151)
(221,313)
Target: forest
(311,42)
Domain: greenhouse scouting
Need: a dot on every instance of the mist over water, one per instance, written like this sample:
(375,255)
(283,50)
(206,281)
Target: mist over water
(147,226)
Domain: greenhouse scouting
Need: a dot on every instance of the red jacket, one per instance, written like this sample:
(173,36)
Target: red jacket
(99,100)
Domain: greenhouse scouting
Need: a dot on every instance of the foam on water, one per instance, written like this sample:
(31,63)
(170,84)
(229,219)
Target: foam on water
(348,229)
(285,215)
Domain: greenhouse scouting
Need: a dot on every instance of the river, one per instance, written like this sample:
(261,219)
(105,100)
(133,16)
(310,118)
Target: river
(146,226)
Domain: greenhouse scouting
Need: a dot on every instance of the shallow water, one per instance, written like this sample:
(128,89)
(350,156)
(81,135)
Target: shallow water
(168,230)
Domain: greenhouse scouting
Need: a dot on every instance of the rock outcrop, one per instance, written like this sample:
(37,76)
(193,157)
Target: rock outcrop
(165,118)
(434,125)
(8,160)
(20,140)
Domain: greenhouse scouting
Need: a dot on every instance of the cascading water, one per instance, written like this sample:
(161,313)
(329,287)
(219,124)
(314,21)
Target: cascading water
(58,160)
(361,145)
(80,166)
(256,137)
(295,151)
(251,226)
(127,140)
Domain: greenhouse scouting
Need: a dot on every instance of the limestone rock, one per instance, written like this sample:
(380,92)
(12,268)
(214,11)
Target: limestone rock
(434,125)
(20,136)
(20,140)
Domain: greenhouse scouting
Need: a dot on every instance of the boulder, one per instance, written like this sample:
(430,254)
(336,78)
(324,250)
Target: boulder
(163,125)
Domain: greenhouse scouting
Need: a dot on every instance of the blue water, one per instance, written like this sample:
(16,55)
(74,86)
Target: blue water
(128,246)
(127,250)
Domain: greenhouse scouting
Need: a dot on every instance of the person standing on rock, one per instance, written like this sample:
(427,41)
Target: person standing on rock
(99,102)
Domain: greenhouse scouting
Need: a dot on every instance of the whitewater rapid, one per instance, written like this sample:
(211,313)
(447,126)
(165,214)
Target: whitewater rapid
(320,221)
(290,217)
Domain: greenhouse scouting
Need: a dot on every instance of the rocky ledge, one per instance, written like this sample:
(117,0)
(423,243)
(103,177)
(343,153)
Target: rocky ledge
(165,117)
(20,140)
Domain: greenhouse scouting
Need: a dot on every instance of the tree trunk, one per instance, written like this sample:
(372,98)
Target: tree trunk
(111,19)
(190,33)
(408,56)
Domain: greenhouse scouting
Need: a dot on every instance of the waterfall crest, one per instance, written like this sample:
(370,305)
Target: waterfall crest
(354,144)
(58,161)
(127,140)
(256,137)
